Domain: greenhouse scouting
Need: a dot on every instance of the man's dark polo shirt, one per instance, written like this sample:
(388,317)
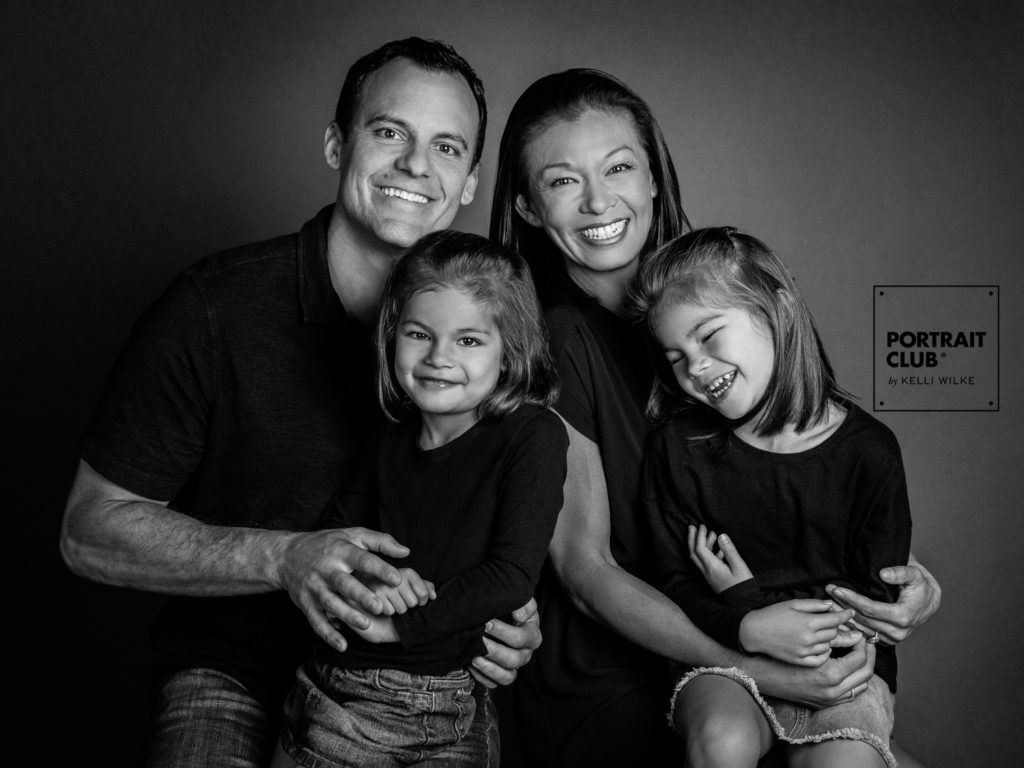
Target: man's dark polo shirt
(243,395)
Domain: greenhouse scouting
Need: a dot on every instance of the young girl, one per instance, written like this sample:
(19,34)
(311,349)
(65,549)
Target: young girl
(470,479)
(767,457)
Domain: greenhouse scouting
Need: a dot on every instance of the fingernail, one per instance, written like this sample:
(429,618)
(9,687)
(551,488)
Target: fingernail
(487,626)
(723,537)
(837,592)
(886,573)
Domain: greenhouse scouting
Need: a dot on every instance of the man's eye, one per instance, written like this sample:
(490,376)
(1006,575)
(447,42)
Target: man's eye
(387,133)
(448,149)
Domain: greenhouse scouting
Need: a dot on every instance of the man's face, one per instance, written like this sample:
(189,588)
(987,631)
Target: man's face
(407,162)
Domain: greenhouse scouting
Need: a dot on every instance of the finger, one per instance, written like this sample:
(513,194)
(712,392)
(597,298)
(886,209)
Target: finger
(420,591)
(857,667)
(691,540)
(361,560)
(816,660)
(432,591)
(831,620)
(321,624)
(710,541)
(732,557)
(810,605)
(375,541)
(900,575)
(528,612)
(865,607)
(350,588)
(520,639)
(481,678)
(846,637)
(336,609)
(495,674)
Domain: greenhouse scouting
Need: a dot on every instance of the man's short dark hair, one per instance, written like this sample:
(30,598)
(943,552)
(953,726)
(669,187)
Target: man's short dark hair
(431,55)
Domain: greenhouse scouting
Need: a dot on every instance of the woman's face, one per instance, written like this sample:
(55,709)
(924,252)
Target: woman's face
(590,188)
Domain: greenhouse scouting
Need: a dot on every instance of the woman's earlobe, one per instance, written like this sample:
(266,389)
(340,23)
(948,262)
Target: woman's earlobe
(525,212)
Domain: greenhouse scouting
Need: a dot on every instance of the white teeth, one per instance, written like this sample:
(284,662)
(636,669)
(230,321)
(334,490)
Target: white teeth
(402,194)
(605,232)
(717,388)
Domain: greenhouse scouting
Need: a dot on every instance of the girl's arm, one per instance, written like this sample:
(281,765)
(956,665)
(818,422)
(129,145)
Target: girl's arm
(581,555)
(529,498)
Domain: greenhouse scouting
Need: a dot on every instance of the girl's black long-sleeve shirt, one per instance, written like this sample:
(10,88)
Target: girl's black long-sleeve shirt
(835,514)
(477,514)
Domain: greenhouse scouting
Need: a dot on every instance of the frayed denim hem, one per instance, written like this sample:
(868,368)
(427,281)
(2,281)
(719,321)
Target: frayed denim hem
(733,673)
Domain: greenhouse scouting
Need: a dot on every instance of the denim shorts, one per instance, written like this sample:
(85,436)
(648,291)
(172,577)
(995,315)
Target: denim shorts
(373,718)
(207,719)
(868,718)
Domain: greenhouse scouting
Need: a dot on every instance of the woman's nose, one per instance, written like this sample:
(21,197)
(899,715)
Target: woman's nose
(597,198)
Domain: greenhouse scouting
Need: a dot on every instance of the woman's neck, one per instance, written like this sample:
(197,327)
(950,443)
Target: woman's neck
(609,288)
(789,440)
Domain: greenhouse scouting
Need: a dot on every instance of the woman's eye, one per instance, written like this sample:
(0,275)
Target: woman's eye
(560,182)
(620,167)
(469,341)
(416,335)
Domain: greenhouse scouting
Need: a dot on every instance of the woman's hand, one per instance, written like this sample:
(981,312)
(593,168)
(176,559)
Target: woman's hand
(413,591)
(722,569)
(797,632)
(835,681)
(509,646)
(920,596)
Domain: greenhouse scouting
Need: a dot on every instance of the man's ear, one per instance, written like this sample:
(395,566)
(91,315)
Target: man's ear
(525,212)
(469,190)
(332,146)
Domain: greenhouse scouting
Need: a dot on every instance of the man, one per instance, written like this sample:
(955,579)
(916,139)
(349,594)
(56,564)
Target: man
(242,399)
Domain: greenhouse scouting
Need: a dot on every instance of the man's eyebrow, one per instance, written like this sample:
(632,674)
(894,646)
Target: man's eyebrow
(384,117)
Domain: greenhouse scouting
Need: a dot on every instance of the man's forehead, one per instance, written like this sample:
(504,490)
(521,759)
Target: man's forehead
(401,86)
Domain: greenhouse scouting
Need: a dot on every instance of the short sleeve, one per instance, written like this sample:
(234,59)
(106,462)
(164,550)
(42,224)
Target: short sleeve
(148,431)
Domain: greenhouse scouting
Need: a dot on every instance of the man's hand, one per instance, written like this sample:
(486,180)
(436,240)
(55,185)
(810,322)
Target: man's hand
(316,568)
(722,569)
(414,591)
(509,646)
(919,598)
(797,632)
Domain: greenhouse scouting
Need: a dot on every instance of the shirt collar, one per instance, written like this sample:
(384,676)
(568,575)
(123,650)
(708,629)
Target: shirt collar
(318,301)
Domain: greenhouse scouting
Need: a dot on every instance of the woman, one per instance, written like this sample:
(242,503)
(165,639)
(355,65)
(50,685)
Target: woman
(585,188)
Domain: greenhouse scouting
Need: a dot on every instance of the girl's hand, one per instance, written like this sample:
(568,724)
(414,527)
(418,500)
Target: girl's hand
(381,630)
(411,592)
(797,632)
(722,569)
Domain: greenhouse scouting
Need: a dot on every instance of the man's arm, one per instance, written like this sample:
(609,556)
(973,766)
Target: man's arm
(114,536)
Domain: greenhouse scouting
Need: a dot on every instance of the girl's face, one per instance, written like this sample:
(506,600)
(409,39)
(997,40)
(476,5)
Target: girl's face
(722,357)
(448,356)
(590,188)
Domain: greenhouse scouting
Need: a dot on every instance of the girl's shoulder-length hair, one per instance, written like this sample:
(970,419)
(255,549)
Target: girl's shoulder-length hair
(565,96)
(722,266)
(491,275)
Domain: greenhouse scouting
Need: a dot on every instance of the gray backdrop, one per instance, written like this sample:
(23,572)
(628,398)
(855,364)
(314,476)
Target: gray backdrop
(869,143)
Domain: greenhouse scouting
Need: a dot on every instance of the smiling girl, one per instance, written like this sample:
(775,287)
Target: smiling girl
(470,479)
(781,466)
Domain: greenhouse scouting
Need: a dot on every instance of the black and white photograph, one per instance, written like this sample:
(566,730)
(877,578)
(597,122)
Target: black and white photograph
(514,383)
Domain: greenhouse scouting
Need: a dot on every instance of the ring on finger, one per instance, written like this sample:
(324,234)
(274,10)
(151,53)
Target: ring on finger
(874,638)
